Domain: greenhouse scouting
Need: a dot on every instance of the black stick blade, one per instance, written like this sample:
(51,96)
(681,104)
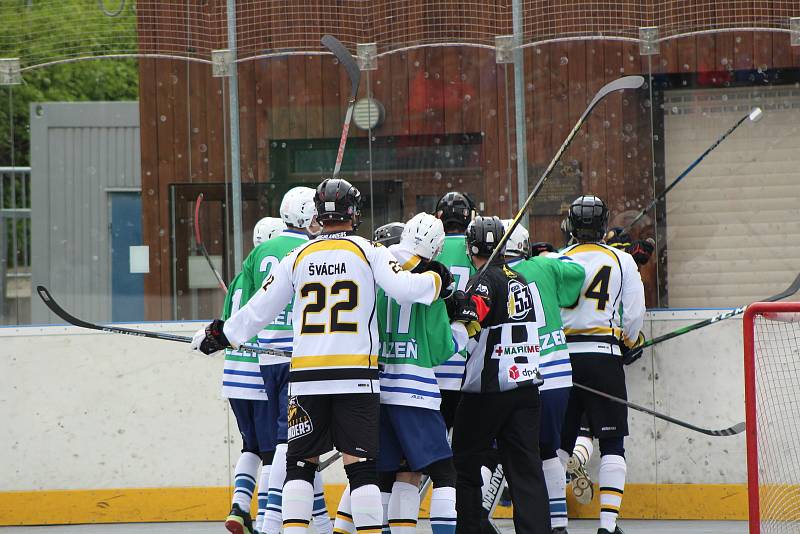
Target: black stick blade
(346,59)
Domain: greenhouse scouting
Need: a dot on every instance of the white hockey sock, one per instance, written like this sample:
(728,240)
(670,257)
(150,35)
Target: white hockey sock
(612,485)
(298,500)
(563,456)
(263,487)
(367,510)
(385,498)
(343,524)
(584,447)
(272,516)
(555,476)
(403,508)
(443,510)
(322,521)
(244,480)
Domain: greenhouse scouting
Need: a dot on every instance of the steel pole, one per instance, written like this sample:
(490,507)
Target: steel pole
(236,171)
(519,111)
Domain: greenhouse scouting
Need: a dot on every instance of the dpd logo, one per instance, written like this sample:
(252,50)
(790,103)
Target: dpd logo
(513,372)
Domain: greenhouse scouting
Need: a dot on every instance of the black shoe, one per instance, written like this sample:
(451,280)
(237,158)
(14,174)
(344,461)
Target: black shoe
(559,530)
(604,531)
(239,521)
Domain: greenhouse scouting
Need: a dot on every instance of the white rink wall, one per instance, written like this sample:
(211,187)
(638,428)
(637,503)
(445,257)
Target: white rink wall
(89,410)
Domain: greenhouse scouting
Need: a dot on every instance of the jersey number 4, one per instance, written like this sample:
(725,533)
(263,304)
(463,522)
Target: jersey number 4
(319,293)
(598,288)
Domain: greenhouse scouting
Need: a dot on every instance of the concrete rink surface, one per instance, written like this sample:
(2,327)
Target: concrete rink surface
(575,527)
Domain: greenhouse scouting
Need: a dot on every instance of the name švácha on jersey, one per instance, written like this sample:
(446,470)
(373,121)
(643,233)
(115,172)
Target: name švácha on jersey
(326,269)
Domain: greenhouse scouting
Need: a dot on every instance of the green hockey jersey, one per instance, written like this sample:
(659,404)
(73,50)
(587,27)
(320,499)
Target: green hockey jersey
(554,284)
(241,376)
(414,339)
(454,256)
(256,267)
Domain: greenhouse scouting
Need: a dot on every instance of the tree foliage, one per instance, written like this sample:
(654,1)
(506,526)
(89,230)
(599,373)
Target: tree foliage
(41,31)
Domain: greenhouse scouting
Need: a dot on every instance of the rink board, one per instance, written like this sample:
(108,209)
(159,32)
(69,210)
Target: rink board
(102,427)
(131,505)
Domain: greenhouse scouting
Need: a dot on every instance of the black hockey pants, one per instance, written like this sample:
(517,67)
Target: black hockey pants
(511,418)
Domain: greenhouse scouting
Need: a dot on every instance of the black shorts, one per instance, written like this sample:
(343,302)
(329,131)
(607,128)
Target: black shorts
(606,418)
(448,406)
(347,421)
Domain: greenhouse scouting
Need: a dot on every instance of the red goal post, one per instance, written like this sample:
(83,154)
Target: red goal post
(772,405)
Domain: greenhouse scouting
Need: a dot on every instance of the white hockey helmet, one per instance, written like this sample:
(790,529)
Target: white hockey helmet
(518,243)
(266,229)
(423,236)
(297,207)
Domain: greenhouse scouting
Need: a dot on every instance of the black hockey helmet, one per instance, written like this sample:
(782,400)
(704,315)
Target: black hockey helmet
(456,210)
(588,218)
(338,200)
(483,235)
(389,234)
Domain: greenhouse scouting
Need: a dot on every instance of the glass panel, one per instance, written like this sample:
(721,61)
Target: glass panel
(729,226)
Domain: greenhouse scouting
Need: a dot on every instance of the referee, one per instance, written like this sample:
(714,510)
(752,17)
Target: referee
(500,392)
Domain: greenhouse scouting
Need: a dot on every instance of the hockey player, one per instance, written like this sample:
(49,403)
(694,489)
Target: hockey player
(298,218)
(333,382)
(499,396)
(456,210)
(243,385)
(267,228)
(601,326)
(554,283)
(413,436)
(641,250)
(388,234)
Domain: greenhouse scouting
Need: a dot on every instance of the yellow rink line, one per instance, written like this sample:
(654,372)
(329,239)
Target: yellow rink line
(133,505)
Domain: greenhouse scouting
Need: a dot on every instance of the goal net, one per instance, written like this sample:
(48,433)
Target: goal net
(772,396)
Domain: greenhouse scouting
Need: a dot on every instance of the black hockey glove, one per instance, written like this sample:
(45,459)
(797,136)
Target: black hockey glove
(214,339)
(642,250)
(540,248)
(460,307)
(631,354)
(448,283)
(615,237)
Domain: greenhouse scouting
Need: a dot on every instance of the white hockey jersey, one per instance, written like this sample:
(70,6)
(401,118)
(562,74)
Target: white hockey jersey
(241,375)
(333,281)
(611,307)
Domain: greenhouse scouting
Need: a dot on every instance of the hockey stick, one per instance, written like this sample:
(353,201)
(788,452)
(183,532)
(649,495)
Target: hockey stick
(730,431)
(788,292)
(492,496)
(354,73)
(754,115)
(50,302)
(327,463)
(627,82)
(199,240)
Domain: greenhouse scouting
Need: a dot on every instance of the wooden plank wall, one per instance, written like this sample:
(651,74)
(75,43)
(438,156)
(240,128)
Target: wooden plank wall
(426,91)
